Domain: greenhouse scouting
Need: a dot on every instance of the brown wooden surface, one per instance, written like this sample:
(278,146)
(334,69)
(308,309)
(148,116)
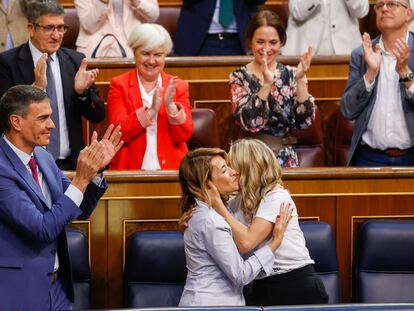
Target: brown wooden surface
(208,80)
(137,201)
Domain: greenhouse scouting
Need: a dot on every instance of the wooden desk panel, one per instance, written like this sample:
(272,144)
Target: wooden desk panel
(343,197)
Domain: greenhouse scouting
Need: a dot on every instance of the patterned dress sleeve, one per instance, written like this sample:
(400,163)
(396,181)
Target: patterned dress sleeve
(249,111)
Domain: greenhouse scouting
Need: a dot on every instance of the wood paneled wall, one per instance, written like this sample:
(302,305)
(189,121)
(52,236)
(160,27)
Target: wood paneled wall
(343,197)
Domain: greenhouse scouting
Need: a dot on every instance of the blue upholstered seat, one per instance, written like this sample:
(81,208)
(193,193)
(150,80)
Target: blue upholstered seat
(155,269)
(322,248)
(79,259)
(384,262)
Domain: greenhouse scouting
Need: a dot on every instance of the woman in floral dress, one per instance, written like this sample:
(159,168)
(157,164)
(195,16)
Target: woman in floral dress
(270,99)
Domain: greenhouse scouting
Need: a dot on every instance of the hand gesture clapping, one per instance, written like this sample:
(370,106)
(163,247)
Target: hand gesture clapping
(304,64)
(372,57)
(169,97)
(40,72)
(84,78)
(401,50)
(267,73)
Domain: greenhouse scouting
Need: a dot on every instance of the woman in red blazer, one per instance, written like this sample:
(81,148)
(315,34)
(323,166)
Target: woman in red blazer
(152,107)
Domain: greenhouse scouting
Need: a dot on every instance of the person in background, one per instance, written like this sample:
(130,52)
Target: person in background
(328,26)
(251,216)
(37,201)
(106,24)
(213,27)
(268,98)
(13,22)
(152,107)
(62,72)
(216,271)
(379,94)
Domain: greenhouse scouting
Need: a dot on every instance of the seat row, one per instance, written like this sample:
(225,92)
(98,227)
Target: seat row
(155,269)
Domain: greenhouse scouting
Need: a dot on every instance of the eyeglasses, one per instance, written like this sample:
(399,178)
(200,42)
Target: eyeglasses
(51,28)
(392,5)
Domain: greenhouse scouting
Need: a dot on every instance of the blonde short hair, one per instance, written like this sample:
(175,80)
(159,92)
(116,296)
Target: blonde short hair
(149,37)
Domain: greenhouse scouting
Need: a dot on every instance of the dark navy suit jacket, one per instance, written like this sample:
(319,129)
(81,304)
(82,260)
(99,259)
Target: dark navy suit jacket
(16,67)
(31,233)
(195,19)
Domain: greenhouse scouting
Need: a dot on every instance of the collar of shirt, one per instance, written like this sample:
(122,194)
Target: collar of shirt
(383,50)
(23,156)
(36,53)
(147,96)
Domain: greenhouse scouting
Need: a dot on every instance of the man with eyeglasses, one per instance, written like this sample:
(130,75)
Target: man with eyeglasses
(379,94)
(61,72)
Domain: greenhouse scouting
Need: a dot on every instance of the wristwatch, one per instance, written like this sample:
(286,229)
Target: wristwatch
(408,77)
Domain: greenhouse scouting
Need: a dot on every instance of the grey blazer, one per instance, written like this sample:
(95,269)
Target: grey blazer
(357,103)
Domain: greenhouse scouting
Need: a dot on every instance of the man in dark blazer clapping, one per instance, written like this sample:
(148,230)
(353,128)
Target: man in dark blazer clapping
(61,72)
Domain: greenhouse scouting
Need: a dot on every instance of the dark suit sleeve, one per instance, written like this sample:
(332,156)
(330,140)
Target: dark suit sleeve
(6,77)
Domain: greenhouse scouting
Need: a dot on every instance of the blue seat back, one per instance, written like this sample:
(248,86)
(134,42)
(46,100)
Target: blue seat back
(155,269)
(81,273)
(322,248)
(384,262)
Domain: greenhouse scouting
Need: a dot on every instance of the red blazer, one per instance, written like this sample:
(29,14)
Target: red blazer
(123,100)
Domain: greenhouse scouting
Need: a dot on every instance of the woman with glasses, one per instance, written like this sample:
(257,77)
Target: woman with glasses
(152,107)
(329,26)
(106,24)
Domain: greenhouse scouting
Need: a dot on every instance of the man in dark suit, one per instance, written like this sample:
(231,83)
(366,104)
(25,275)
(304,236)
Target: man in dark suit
(61,72)
(37,201)
(203,29)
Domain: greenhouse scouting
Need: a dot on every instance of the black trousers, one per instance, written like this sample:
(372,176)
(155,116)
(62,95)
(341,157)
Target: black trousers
(298,287)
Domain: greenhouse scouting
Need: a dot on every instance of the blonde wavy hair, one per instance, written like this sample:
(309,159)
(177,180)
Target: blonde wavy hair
(259,172)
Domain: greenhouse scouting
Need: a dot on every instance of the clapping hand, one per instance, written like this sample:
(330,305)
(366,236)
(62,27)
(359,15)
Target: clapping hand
(111,142)
(304,64)
(84,78)
(401,50)
(40,72)
(372,57)
(169,97)
(267,74)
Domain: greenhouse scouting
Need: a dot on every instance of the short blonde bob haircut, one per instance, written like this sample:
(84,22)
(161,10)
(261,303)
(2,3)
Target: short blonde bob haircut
(259,172)
(147,37)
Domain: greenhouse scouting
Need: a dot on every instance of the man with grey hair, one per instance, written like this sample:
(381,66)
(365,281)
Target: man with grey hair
(379,94)
(43,63)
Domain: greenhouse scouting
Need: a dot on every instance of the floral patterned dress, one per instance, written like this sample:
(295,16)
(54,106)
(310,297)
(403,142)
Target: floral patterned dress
(278,115)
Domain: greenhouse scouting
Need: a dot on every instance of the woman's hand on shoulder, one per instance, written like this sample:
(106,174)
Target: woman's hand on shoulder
(185,218)
(304,63)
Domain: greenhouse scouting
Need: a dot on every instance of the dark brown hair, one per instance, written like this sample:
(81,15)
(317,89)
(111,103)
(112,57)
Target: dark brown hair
(265,18)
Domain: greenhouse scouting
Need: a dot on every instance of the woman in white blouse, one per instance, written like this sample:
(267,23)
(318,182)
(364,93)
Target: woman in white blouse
(216,271)
(106,24)
(251,217)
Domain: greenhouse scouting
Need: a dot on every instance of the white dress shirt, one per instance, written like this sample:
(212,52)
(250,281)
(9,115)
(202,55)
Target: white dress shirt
(387,127)
(150,161)
(64,133)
